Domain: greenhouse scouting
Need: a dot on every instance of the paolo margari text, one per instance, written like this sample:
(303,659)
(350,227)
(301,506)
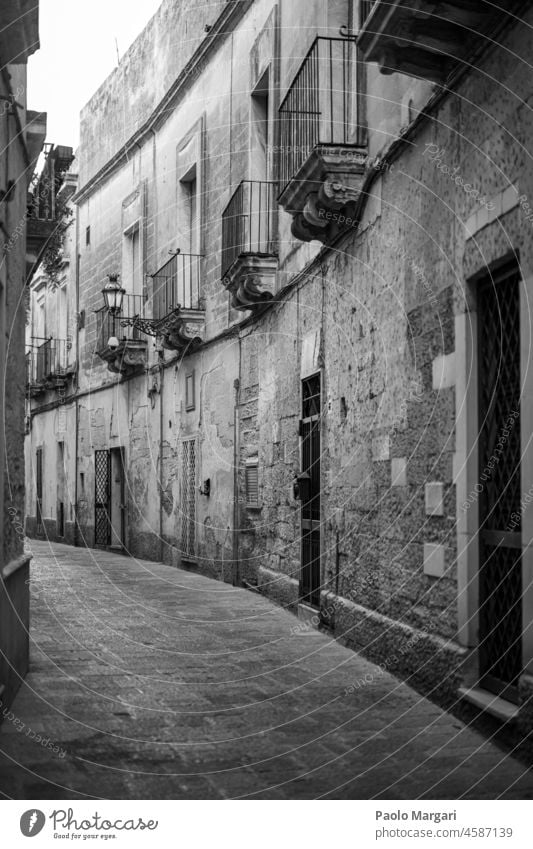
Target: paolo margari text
(67,825)
(417,816)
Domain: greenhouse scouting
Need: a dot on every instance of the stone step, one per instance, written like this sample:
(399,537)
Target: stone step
(488,702)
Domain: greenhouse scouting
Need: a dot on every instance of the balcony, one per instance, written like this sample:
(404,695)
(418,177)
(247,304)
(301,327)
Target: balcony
(177,306)
(249,256)
(45,212)
(321,168)
(130,354)
(48,366)
(426,38)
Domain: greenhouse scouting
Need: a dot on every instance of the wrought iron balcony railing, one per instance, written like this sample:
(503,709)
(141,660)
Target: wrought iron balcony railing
(42,198)
(177,285)
(316,109)
(247,223)
(48,361)
(108,325)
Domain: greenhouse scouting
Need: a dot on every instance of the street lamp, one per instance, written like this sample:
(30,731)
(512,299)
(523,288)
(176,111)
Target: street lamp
(113,296)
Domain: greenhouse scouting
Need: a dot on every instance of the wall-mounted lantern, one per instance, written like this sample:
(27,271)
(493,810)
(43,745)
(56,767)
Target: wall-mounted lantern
(113,294)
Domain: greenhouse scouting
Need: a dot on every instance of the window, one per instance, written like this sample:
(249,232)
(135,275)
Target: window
(189,187)
(190,204)
(260,130)
(252,482)
(39,317)
(132,262)
(88,235)
(190,401)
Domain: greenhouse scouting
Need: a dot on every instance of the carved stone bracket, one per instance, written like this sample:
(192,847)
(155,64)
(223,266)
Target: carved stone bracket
(52,382)
(426,38)
(330,180)
(129,357)
(183,330)
(251,281)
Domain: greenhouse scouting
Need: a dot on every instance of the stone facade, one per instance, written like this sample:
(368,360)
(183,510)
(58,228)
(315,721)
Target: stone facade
(21,140)
(379,303)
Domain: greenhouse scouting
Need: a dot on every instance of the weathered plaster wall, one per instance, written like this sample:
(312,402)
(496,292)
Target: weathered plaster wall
(14,591)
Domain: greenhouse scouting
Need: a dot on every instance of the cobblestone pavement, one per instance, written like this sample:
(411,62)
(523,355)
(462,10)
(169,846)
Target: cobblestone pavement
(151,682)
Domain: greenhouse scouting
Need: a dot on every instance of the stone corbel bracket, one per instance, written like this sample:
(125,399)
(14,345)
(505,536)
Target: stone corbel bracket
(427,38)
(251,281)
(128,358)
(183,330)
(330,180)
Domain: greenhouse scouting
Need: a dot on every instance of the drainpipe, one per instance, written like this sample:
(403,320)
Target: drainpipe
(161,480)
(236,511)
(77,429)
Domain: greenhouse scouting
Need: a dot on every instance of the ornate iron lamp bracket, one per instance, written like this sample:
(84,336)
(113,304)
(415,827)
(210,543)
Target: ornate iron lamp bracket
(149,326)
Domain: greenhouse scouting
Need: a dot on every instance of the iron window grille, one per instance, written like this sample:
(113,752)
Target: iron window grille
(188,498)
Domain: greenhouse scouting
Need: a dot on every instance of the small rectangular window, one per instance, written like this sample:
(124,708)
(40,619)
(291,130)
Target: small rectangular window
(88,235)
(190,401)
(252,482)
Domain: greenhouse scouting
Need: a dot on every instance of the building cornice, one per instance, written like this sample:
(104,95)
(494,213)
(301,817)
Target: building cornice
(224,25)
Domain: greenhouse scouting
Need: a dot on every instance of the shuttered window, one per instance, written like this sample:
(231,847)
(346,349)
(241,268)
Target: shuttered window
(252,482)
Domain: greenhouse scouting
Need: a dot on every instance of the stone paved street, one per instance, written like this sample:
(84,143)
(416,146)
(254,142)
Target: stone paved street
(157,683)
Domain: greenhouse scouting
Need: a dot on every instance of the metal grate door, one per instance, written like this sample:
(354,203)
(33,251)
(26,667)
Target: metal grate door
(500,578)
(188,498)
(310,515)
(102,486)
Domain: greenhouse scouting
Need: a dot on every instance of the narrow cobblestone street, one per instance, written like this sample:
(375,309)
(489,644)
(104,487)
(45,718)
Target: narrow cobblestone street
(159,683)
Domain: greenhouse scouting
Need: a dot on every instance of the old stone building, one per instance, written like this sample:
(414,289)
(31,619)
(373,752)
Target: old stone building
(317,383)
(22,135)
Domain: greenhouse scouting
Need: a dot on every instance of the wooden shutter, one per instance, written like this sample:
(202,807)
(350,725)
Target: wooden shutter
(252,482)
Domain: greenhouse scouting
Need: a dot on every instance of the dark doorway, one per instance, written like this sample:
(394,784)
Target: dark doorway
(117,499)
(310,511)
(39,489)
(500,542)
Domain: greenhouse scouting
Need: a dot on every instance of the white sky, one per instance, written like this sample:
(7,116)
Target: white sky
(77,53)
